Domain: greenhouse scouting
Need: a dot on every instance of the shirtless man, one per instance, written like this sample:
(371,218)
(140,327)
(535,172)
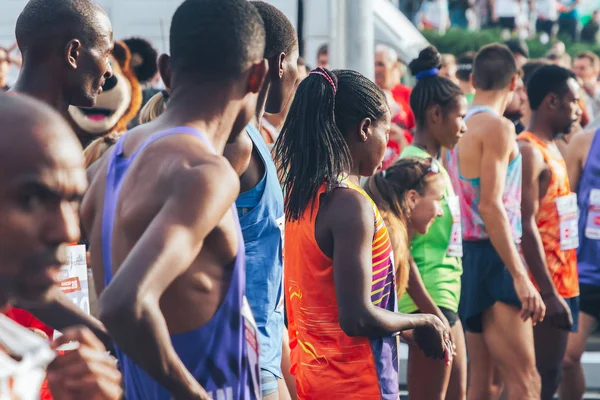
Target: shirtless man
(550,216)
(498,299)
(583,166)
(167,249)
(39,200)
(65,46)
(260,203)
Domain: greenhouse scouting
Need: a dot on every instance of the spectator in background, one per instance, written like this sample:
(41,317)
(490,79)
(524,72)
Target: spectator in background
(568,22)
(586,66)
(6,60)
(458,13)
(302,70)
(589,33)
(4,67)
(464,69)
(546,16)
(434,15)
(520,50)
(403,120)
(449,68)
(323,56)
(505,13)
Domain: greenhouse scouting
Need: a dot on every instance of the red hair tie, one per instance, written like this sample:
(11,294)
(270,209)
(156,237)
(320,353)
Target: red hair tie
(321,71)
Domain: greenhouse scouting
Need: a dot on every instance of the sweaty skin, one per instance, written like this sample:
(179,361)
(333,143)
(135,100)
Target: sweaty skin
(39,201)
(175,240)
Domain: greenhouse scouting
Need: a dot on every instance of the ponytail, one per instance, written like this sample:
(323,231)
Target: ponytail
(388,190)
(98,147)
(154,107)
(431,89)
(311,149)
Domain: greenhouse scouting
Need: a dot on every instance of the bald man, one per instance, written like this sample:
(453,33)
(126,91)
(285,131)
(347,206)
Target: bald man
(42,180)
(65,46)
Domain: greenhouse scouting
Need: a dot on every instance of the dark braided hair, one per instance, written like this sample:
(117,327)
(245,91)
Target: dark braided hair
(311,148)
(431,89)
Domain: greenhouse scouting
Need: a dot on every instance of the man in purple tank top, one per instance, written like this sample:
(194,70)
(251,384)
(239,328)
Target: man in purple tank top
(498,301)
(167,251)
(583,168)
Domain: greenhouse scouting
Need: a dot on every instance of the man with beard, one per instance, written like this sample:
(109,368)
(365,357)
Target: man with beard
(514,108)
(549,217)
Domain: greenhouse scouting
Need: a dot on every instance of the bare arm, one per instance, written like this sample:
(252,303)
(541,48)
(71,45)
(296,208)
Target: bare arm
(352,269)
(576,153)
(533,249)
(130,307)
(494,164)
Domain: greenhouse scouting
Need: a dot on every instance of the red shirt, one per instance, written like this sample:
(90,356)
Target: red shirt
(26,320)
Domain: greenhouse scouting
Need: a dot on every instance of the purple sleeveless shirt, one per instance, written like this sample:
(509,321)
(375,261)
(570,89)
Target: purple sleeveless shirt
(223,354)
(588,199)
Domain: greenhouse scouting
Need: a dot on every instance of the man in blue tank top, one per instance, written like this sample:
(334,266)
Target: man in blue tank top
(260,204)
(583,167)
(167,249)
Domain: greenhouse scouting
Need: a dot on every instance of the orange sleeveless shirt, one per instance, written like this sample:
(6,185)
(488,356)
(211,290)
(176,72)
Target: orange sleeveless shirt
(325,361)
(561,263)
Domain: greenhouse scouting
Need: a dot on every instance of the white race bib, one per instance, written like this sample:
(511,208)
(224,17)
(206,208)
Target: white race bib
(455,246)
(73,279)
(592,226)
(251,332)
(567,214)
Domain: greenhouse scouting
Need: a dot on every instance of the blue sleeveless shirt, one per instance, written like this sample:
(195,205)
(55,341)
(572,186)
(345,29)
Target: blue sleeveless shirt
(588,197)
(261,214)
(222,354)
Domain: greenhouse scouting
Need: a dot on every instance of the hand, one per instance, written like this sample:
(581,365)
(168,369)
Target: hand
(495,19)
(444,320)
(434,339)
(558,312)
(532,305)
(86,372)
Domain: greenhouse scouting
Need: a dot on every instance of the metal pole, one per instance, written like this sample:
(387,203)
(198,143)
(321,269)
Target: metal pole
(360,36)
(338,40)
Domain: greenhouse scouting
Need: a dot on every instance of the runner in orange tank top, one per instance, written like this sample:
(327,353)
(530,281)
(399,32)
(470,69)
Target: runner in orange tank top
(550,231)
(339,269)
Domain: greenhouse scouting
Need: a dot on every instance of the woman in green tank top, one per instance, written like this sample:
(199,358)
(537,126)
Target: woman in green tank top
(435,277)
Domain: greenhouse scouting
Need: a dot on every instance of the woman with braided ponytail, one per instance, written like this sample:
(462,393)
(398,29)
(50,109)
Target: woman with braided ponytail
(436,268)
(339,271)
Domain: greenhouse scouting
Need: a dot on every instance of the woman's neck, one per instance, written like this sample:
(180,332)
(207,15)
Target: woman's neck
(426,142)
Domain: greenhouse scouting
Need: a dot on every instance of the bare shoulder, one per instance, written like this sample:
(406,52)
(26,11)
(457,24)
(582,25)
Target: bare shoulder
(343,202)
(582,141)
(211,178)
(532,157)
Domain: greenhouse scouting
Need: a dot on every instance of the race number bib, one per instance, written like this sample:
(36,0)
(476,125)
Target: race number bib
(455,245)
(22,379)
(592,226)
(567,214)
(251,332)
(73,279)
